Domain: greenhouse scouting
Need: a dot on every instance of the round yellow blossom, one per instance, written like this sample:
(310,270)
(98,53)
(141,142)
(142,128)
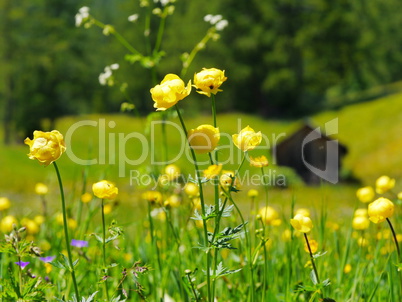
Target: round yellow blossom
(347,269)
(302,223)
(209,80)
(105,189)
(360,223)
(152,196)
(197,203)
(86,197)
(380,209)
(226,178)
(31,226)
(172,171)
(7,222)
(48,267)
(72,223)
(247,139)
(268,214)
(212,171)
(313,246)
(171,90)
(384,184)
(259,162)
(173,201)
(191,190)
(361,212)
(5,203)
(400,195)
(303,211)
(252,193)
(108,208)
(39,219)
(365,194)
(46,147)
(204,138)
(41,189)
(59,218)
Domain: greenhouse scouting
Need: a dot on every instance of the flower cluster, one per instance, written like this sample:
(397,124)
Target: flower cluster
(106,77)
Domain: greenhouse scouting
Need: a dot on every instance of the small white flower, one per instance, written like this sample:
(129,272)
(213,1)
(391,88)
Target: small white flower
(133,18)
(221,25)
(81,16)
(114,66)
(215,19)
(208,18)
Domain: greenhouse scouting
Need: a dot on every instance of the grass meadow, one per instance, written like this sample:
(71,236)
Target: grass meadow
(149,243)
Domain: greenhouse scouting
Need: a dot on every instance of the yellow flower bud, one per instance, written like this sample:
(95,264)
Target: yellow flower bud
(173,200)
(172,171)
(303,211)
(360,223)
(400,195)
(107,208)
(361,212)
(247,139)
(268,214)
(105,189)
(46,147)
(4,203)
(204,138)
(302,223)
(258,162)
(365,194)
(152,196)
(347,269)
(227,178)
(313,246)
(212,171)
(191,189)
(7,222)
(41,189)
(86,197)
(384,184)
(209,80)
(380,209)
(169,92)
(252,193)
(48,267)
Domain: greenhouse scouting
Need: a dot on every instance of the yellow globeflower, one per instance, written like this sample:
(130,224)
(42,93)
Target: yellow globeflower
(105,189)
(172,201)
(39,219)
(86,197)
(302,223)
(268,214)
(313,246)
(360,223)
(7,222)
(227,178)
(172,171)
(212,171)
(46,147)
(259,162)
(400,195)
(384,184)
(41,189)
(252,193)
(171,90)
(204,138)
(107,208)
(347,269)
(303,211)
(247,139)
(191,189)
(31,226)
(361,212)
(209,80)
(380,209)
(4,203)
(365,194)
(152,196)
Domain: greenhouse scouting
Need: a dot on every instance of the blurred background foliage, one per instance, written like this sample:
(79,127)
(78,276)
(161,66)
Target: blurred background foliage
(284,58)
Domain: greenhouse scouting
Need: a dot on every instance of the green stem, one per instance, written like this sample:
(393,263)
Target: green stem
(197,171)
(215,124)
(104,247)
(155,245)
(312,258)
(395,240)
(65,225)
(161,29)
(164,137)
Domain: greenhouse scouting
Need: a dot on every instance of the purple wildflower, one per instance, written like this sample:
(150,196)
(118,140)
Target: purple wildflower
(22,264)
(79,243)
(47,259)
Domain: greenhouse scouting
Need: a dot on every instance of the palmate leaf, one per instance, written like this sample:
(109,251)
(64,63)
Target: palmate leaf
(222,271)
(223,238)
